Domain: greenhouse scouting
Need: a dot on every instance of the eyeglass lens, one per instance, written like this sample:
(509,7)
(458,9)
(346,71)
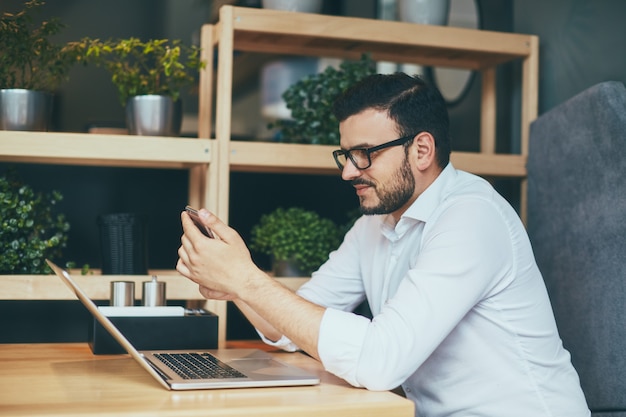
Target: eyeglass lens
(359,157)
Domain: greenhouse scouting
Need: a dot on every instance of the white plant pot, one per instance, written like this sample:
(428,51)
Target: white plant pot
(153,115)
(22,109)
(305,6)
(276,78)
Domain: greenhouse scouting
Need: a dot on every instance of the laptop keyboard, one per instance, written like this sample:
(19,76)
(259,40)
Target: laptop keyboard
(198,366)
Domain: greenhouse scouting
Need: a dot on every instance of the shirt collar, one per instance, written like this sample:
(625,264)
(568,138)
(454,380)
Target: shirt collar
(422,208)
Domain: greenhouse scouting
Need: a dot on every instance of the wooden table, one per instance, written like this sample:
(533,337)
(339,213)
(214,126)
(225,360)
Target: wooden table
(67,379)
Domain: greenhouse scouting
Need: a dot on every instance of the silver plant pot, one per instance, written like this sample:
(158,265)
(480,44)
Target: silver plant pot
(22,109)
(288,268)
(305,6)
(426,12)
(154,115)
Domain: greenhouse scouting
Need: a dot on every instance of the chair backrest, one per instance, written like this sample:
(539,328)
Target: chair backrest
(577,224)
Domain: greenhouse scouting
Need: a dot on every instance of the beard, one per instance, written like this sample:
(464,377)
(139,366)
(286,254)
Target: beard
(392,197)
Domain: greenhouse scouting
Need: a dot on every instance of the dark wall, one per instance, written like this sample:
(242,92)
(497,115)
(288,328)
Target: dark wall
(582,43)
(494,15)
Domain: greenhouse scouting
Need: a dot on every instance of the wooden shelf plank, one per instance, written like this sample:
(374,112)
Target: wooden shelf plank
(104,150)
(97,287)
(490,165)
(317,159)
(282,158)
(275,31)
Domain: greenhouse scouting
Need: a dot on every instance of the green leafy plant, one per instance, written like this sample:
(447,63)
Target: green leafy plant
(310,101)
(158,66)
(29,231)
(298,235)
(28,59)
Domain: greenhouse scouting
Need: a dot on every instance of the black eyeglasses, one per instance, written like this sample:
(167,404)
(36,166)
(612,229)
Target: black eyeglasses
(360,157)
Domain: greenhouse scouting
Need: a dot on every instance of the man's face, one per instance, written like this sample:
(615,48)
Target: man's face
(388,185)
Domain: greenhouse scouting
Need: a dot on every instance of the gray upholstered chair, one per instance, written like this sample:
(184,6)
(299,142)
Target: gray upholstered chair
(577,224)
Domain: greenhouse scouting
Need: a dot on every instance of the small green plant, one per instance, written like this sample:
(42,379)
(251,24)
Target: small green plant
(29,231)
(298,235)
(158,66)
(28,59)
(311,99)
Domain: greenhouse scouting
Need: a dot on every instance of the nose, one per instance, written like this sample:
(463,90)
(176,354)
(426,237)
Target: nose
(349,171)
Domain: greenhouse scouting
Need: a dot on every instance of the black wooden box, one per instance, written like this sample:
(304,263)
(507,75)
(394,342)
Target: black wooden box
(193,331)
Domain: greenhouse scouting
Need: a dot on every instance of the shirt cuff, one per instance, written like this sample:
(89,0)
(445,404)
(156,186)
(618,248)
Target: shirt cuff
(283,343)
(340,342)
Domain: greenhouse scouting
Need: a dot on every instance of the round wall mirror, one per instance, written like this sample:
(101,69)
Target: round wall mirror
(454,83)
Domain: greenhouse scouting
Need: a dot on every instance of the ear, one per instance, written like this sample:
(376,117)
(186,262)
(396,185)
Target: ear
(424,150)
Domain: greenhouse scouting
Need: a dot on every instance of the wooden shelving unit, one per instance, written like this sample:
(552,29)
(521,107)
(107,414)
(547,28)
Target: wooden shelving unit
(211,160)
(195,155)
(286,33)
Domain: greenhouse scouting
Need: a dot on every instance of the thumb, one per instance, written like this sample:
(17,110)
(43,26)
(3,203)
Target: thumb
(214,224)
(220,230)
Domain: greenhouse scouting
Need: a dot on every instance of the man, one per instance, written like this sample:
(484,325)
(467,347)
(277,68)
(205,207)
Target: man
(461,320)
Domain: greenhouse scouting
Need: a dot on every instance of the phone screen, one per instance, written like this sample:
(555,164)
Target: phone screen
(195,216)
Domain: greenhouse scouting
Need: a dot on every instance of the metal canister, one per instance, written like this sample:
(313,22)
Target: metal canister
(122,293)
(153,293)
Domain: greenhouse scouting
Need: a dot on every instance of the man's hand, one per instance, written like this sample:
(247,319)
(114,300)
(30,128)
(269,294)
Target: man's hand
(219,266)
(223,270)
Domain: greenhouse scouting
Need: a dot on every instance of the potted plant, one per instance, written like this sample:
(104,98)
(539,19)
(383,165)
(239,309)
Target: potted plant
(29,231)
(149,77)
(310,101)
(31,68)
(296,236)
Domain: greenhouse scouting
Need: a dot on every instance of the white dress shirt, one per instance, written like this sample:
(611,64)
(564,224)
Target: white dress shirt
(462,319)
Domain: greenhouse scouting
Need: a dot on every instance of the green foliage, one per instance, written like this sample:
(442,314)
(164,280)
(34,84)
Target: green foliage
(296,234)
(310,101)
(157,66)
(27,57)
(84,270)
(29,232)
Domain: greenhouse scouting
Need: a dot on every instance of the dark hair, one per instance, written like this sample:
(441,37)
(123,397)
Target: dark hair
(413,104)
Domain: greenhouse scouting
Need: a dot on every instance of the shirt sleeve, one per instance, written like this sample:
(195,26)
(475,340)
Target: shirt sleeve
(340,342)
(337,284)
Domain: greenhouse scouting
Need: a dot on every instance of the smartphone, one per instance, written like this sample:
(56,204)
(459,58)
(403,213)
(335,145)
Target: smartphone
(195,216)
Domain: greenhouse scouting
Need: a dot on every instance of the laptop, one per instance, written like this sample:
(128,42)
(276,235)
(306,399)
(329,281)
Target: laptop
(200,369)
